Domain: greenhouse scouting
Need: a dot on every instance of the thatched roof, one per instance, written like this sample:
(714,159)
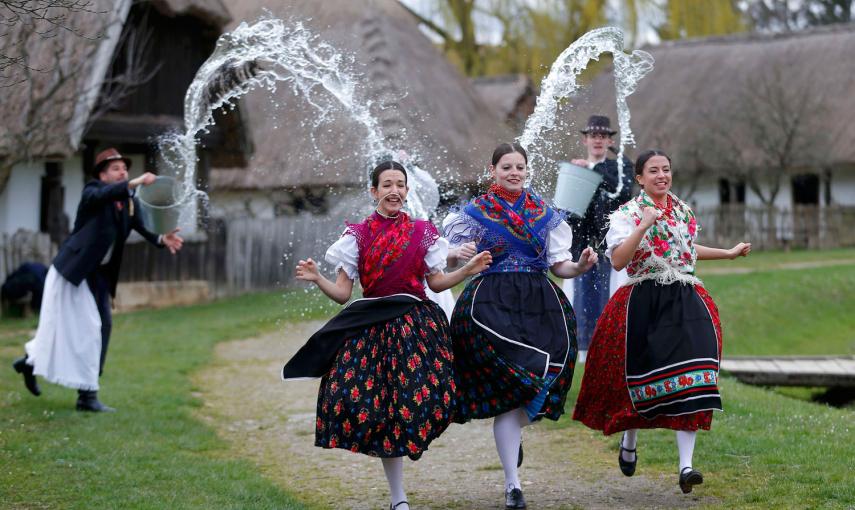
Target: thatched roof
(68,68)
(503,93)
(699,88)
(214,12)
(428,106)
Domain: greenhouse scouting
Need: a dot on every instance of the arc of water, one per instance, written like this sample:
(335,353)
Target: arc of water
(561,83)
(264,54)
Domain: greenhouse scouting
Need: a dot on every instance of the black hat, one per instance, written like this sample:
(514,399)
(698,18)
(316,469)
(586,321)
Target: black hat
(599,124)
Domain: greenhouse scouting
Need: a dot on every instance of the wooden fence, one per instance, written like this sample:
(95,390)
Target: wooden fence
(239,256)
(251,254)
(806,226)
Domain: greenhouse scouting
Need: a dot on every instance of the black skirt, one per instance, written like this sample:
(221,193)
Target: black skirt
(672,354)
(514,340)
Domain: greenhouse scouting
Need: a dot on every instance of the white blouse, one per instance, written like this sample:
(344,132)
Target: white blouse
(620,227)
(344,254)
(558,242)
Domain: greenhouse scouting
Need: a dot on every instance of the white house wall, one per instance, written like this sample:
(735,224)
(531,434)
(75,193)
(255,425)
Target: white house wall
(706,196)
(73,182)
(843,188)
(19,202)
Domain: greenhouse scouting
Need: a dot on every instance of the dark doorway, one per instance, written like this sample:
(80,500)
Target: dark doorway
(52,218)
(806,189)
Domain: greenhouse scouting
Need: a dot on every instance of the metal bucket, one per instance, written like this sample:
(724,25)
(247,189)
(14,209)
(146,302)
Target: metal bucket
(161,204)
(575,187)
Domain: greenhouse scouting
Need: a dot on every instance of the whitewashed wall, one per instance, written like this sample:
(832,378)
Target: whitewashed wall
(19,201)
(843,187)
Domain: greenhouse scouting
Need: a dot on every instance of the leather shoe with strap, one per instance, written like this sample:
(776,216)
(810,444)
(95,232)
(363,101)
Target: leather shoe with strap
(514,498)
(689,478)
(20,365)
(88,401)
(394,506)
(627,467)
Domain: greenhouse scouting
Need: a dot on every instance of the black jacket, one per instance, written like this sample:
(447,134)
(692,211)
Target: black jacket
(99,224)
(590,230)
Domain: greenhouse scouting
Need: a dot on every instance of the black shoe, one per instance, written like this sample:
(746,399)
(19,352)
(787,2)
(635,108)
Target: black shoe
(520,455)
(689,478)
(399,503)
(514,498)
(626,467)
(20,366)
(88,401)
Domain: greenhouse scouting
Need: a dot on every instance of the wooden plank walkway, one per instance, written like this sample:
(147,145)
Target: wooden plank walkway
(792,370)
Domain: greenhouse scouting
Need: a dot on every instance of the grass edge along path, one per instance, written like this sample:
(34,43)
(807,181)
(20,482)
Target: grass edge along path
(152,453)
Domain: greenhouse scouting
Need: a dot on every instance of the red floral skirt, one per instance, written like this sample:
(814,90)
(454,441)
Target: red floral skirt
(390,390)
(604,402)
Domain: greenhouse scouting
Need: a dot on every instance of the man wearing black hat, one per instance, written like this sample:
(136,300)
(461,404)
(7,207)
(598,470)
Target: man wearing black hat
(70,345)
(590,291)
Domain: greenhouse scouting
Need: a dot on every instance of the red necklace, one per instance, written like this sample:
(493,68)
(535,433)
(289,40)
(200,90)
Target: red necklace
(508,196)
(668,208)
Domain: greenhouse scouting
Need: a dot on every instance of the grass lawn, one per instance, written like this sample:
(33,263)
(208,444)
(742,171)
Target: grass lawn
(767,450)
(771,259)
(153,453)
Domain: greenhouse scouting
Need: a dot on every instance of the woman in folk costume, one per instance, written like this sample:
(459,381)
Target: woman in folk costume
(385,361)
(655,353)
(514,331)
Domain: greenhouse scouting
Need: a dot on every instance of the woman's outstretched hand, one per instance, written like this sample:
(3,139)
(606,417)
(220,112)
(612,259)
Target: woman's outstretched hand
(478,263)
(307,270)
(740,250)
(587,259)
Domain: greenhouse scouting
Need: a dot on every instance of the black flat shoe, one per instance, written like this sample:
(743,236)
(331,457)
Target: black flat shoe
(399,503)
(514,499)
(20,366)
(626,467)
(689,478)
(520,455)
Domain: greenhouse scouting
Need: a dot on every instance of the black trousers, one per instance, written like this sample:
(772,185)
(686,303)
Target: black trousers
(99,284)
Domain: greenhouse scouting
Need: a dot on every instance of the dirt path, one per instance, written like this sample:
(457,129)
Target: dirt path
(271,423)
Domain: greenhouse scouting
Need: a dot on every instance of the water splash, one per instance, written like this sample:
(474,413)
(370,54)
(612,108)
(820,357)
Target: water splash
(267,54)
(561,83)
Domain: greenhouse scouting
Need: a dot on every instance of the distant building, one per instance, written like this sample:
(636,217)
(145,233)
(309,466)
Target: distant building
(707,100)
(41,195)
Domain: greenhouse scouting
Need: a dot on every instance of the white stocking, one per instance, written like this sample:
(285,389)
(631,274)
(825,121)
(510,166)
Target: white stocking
(686,447)
(394,468)
(629,442)
(506,430)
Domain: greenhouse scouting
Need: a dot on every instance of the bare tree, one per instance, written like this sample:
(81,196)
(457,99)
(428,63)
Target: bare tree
(771,128)
(790,15)
(44,19)
(40,106)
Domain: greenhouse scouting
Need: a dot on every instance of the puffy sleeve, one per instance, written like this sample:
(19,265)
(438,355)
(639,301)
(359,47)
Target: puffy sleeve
(436,256)
(559,243)
(620,227)
(344,254)
(457,230)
